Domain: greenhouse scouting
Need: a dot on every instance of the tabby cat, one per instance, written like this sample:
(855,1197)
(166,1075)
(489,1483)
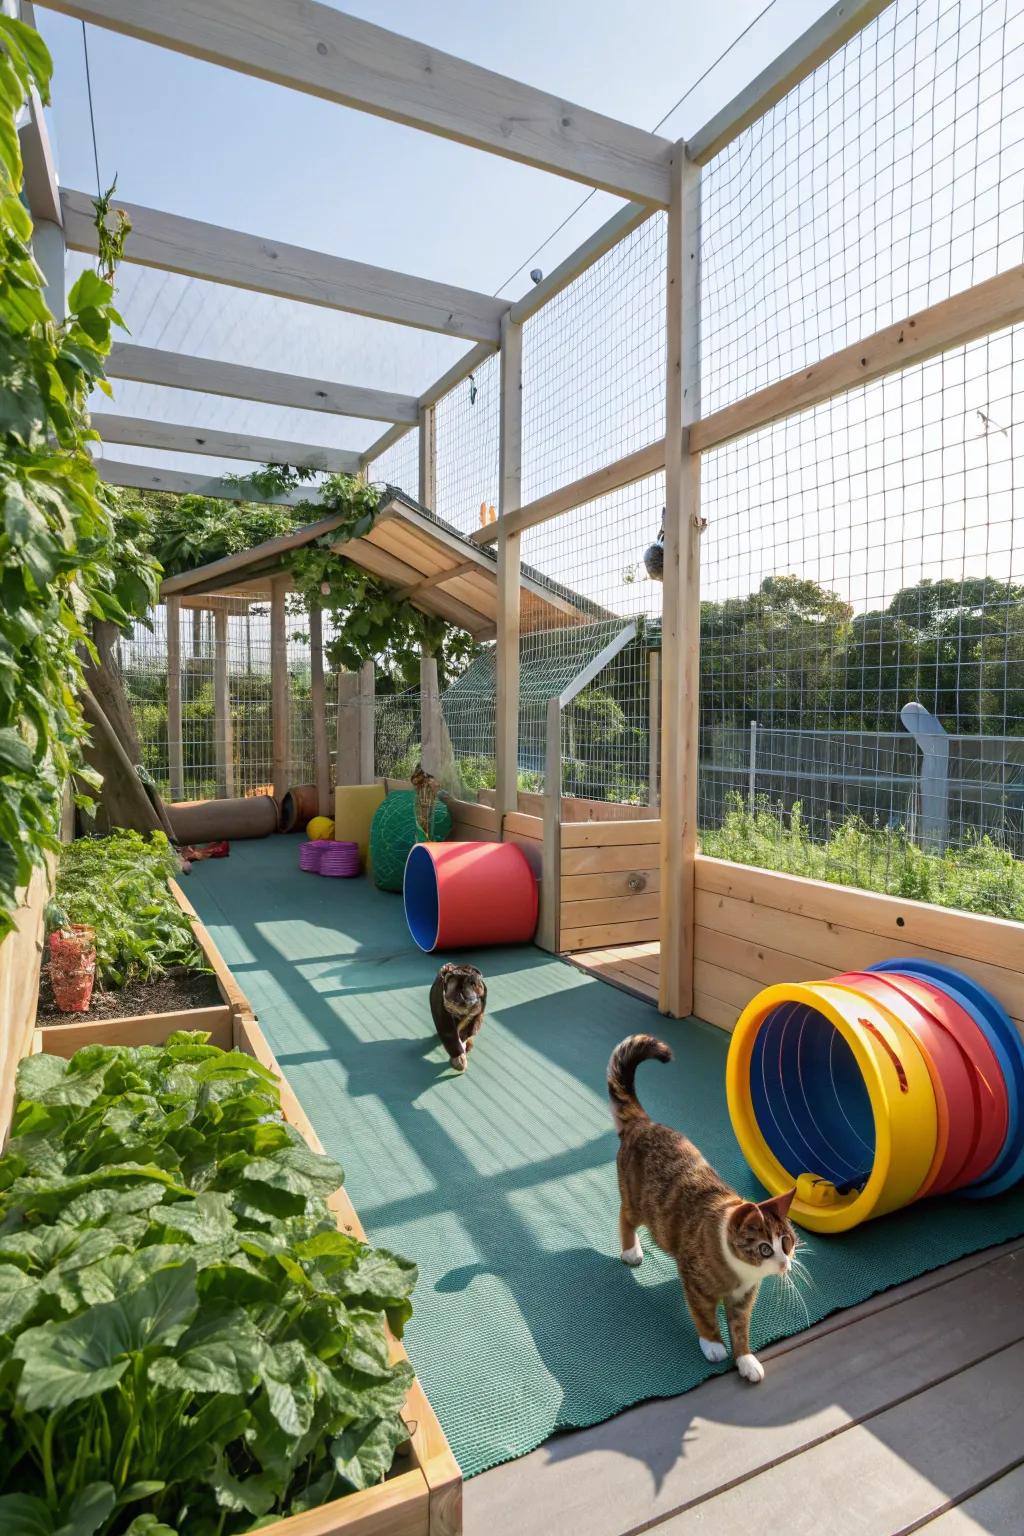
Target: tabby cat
(427,790)
(723,1245)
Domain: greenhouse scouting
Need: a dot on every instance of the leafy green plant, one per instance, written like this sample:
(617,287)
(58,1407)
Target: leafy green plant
(187,1341)
(977,876)
(119,885)
(66,557)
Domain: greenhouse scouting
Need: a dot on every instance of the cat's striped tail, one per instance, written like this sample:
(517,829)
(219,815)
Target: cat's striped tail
(622,1076)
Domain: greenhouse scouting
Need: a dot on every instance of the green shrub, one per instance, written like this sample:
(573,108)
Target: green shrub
(188,1344)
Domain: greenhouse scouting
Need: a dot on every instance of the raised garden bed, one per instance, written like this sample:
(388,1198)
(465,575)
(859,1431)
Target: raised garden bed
(423,1494)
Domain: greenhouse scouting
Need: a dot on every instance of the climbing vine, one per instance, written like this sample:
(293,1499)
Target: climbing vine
(370,621)
(68,555)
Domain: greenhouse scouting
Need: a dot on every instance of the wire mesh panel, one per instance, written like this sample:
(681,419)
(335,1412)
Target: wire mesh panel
(142,654)
(396,734)
(597,553)
(889,179)
(594,365)
(862,636)
(398,465)
(466,440)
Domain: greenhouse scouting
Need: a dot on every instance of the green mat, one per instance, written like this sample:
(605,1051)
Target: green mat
(501,1183)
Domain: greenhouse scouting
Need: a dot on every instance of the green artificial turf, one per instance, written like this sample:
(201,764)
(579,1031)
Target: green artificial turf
(501,1183)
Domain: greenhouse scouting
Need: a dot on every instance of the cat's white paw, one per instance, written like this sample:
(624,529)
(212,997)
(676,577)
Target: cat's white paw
(715,1351)
(459,1062)
(750,1368)
(633,1256)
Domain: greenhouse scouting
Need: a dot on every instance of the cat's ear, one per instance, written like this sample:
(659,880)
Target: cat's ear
(779,1206)
(746,1212)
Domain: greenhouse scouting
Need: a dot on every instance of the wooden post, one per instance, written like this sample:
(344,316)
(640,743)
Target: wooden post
(429,704)
(175,753)
(506,701)
(427,489)
(280,724)
(551,870)
(318,703)
(681,600)
(223,733)
(653,725)
(752,769)
(48,250)
(367,711)
(346,757)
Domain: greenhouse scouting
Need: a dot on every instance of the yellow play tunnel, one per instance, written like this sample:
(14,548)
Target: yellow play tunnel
(829,1091)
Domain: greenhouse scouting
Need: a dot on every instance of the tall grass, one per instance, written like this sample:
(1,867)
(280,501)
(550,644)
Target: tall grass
(977,876)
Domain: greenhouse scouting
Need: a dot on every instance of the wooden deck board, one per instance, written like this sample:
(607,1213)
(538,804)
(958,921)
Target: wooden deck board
(889,1474)
(997,1510)
(948,1338)
(631,967)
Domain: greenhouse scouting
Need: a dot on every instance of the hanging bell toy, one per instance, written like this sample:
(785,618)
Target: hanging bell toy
(654,554)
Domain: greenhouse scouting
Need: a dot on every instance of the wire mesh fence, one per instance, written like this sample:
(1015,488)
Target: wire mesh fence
(466,440)
(889,179)
(594,365)
(862,645)
(398,465)
(233,756)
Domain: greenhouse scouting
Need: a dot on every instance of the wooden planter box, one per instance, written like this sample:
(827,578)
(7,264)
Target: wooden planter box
(424,1499)
(152,1028)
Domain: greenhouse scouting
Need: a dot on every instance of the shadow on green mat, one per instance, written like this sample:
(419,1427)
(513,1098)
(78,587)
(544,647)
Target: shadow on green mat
(500,1183)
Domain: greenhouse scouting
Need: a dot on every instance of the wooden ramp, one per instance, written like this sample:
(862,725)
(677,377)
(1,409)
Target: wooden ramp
(633,967)
(902,1414)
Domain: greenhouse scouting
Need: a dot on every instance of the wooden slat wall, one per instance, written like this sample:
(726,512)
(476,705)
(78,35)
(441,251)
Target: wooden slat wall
(20,959)
(755,928)
(610,882)
(472,823)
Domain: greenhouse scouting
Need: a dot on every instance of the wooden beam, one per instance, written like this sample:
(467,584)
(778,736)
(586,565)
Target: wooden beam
(681,598)
(215,255)
(548,924)
(144,477)
(427,469)
(821,40)
(346,751)
(175,370)
(39,170)
(510,479)
(174,739)
(280,724)
(439,578)
(622,223)
(318,709)
(223,743)
(625,471)
(448,381)
(142,433)
(314,48)
(367,696)
(989,306)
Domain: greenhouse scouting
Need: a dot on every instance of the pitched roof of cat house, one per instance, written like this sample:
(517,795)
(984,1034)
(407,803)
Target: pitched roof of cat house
(437,568)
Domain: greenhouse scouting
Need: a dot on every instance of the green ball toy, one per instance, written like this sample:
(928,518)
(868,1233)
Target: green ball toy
(395,830)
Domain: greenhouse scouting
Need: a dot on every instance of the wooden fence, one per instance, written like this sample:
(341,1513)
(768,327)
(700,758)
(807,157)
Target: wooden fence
(755,928)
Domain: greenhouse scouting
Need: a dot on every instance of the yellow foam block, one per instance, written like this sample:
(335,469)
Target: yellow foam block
(354,806)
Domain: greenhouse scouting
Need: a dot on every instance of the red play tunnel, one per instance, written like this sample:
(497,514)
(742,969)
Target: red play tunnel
(469,895)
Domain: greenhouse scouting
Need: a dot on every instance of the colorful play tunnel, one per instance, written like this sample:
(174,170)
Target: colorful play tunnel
(876,1088)
(469,895)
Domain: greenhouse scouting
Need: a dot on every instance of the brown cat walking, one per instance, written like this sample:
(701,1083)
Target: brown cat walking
(723,1245)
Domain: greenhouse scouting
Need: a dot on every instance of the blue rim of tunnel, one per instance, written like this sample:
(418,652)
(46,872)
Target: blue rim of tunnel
(1001,1034)
(809,1098)
(419,894)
